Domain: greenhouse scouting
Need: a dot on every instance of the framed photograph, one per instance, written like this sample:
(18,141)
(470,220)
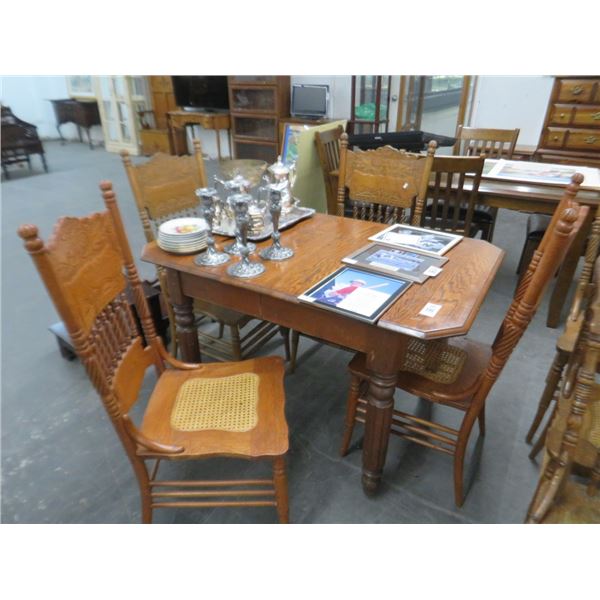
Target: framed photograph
(396,262)
(289,152)
(544,173)
(356,293)
(417,239)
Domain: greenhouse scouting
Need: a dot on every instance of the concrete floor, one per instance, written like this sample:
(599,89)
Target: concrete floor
(62,462)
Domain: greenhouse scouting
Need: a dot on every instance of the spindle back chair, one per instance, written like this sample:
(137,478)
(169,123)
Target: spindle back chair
(450,207)
(567,340)
(574,436)
(164,188)
(85,267)
(493,143)
(384,185)
(328,149)
(460,372)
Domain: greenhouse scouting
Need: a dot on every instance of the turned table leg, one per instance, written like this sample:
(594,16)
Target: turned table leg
(183,307)
(382,363)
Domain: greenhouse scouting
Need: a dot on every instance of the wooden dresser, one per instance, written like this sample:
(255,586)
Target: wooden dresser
(571,132)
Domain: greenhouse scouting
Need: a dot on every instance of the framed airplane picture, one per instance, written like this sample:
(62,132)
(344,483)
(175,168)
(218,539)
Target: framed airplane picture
(417,239)
(396,262)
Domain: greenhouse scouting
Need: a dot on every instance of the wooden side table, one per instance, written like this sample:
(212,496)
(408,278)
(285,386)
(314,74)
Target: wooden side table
(179,119)
(83,113)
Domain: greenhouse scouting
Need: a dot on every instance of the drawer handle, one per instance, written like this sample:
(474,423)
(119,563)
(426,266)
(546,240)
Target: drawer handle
(596,116)
(562,115)
(592,139)
(555,138)
(577,90)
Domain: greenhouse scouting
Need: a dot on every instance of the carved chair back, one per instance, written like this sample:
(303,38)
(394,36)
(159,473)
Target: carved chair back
(384,185)
(85,267)
(328,149)
(450,206)
(493,143)
(568,219)
(574,436)
(164,187)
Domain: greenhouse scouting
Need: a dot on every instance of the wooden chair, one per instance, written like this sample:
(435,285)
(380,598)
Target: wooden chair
(573,440)
(383,185)
(164,188)
(195,411)
(567,340)
(328,149)
(18,142)
(460,372)
(491,143)
(450,207)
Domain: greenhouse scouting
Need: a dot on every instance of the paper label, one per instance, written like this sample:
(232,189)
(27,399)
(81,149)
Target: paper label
(432,271)
(430,309)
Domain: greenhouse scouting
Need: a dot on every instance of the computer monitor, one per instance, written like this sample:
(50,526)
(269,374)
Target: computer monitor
(310,101)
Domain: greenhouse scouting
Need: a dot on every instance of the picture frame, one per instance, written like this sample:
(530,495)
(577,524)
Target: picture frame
(396,262)
(356,293)
(539,173)
(289,150)
(417,239)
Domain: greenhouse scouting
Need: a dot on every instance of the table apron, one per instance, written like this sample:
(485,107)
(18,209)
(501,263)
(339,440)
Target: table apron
(383,347)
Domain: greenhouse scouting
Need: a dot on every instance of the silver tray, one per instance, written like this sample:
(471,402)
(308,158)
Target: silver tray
(298,213)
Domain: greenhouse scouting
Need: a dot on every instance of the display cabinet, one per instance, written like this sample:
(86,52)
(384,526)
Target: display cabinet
(256,105)
(370,104)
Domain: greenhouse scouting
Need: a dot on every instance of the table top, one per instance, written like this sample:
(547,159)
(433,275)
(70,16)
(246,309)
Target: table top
(321,242)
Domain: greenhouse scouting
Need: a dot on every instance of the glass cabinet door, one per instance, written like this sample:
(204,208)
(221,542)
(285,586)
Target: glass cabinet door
(119,100)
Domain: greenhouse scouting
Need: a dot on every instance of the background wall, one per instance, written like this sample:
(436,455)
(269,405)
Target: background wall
(28,99)
(500,101)
(511,102)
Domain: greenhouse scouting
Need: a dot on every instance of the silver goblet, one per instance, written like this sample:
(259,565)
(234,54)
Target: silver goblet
(244,268)
(276,251)
(210,258)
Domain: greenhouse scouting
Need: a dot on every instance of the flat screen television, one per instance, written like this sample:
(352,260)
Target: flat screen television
(201,92)
(310,101)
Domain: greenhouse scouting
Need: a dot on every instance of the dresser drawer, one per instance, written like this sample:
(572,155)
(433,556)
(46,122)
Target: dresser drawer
(583,139)
(587,116)
(554,138)
(561,114)
(577,90)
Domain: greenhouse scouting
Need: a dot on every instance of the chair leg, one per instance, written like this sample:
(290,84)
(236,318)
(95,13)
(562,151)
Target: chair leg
(44,163)
(459,455)
(285,334)
(552,381)
(541,441)
(294,350)
(236,346)
(281,489)
(221,329)
(352,403)
(481,421)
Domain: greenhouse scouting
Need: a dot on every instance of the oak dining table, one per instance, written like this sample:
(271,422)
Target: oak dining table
(319,244)
(526,196)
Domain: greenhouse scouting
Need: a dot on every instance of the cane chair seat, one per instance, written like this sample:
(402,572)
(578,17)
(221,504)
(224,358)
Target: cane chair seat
(235,409)
(450,374)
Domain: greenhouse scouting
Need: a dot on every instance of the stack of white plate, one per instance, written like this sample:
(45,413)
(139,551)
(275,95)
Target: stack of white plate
(183,236)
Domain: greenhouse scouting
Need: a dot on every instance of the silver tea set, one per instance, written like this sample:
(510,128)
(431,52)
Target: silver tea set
(244,210)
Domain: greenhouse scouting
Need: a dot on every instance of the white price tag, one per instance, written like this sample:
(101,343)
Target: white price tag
(432,271)
(430,309)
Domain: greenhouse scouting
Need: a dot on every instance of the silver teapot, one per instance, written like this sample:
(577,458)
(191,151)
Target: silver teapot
(281,177)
